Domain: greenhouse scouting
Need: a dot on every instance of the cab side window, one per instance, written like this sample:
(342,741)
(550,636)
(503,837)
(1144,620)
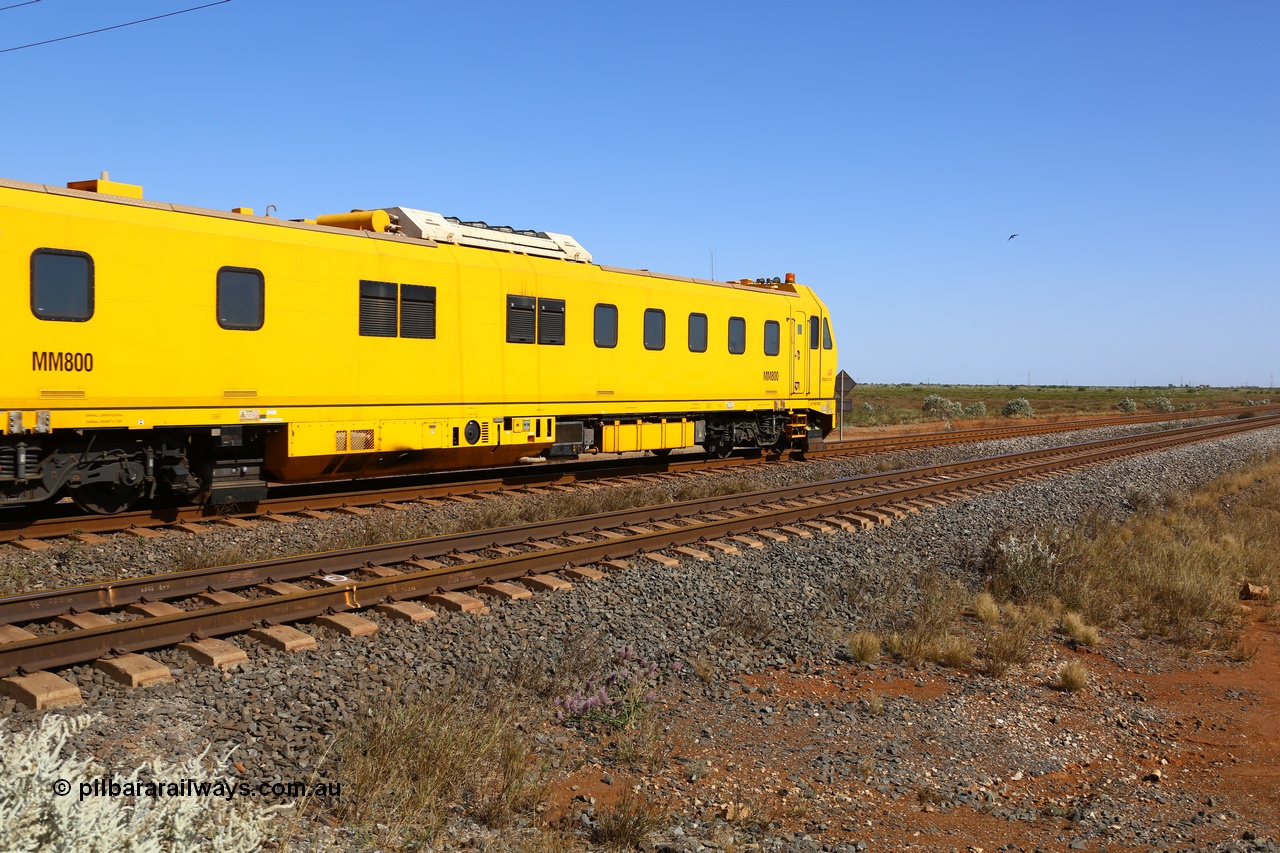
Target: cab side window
(240,298)
(772,337)
(61,285)
(697,333)
(655,329)
(737,335)
(813,333)
(606,326)
(826,334)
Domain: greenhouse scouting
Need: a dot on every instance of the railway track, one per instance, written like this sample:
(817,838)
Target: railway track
(111,622)
(67,520)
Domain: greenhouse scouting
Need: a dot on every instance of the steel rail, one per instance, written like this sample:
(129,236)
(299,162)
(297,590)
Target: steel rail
(78,646)
(962,436)
(47,604)
(446,484)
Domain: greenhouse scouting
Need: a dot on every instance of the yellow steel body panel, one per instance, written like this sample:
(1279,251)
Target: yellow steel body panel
(160,358)
(646,435)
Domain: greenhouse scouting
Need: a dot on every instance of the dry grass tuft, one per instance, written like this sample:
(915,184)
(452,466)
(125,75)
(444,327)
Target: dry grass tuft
(1073,676)
(1010,644)
(704,668)
(1172,567)
(17,576)
(986,609)
(939,607)
(412,757)
(1073,625)
(642,746)
(864,647)
(695,770)
(629,821)
(874,704)
(551,672)
(546,841)
(751,618)
(954,652)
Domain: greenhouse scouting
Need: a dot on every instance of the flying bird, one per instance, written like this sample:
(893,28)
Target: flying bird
(1011,236)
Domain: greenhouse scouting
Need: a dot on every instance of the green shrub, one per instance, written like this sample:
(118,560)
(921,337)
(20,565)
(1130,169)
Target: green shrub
(1019,408)
(1159,404)
(35,815)
(1027,567)
(940,408)
(618,698)
(975,410)
(1127,405)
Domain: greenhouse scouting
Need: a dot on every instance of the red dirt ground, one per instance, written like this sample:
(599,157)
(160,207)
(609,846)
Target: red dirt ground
(1218,722)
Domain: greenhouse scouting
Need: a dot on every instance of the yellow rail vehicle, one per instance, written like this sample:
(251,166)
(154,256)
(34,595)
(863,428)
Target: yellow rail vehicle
(158,351)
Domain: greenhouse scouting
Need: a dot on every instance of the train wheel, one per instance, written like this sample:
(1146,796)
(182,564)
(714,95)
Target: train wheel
(720,449)
(106,498)
(662,452)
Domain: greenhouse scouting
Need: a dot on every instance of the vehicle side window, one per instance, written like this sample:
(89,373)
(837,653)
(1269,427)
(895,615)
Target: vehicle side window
(772,337)
(826,334)
(240,298)
(417,311)
(521,319)
(551,321)
(606,326)
(61,285)
(813,333)
(697,333)
(737,335)
(655,329)
(378,309)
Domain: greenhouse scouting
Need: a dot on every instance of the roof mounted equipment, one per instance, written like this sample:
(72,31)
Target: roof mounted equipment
(426,225)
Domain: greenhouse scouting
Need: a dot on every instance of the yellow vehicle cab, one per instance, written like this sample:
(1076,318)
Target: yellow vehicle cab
(164,352)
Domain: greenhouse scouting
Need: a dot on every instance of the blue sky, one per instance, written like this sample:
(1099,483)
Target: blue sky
(883,152)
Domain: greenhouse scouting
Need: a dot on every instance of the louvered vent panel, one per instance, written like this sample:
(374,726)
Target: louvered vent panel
(551,321)
(417,311)
(520,319)
(362,439)
(340,440)
(378,309)
(484,432)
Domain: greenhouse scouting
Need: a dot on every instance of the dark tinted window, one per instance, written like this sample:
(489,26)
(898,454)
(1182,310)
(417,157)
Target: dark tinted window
(813,333)
(551,321)
(240,297)
(606,325)
(772,337)
(521,319)
(417,311)
(826,334)
(737,335)
(378,309)
(697,333)
(61,285)
(655,329)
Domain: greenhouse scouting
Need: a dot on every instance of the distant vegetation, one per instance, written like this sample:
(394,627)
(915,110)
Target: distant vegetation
(906,403)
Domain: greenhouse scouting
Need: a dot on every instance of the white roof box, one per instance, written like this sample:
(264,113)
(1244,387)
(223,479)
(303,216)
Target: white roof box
(448,229)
